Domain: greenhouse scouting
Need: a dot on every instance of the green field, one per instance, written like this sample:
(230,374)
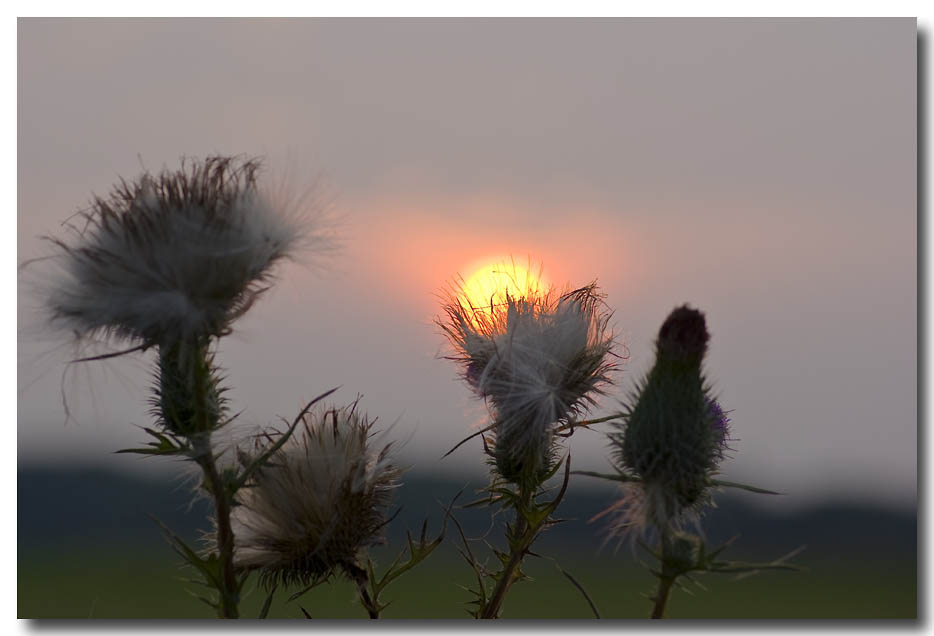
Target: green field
(110,561)
(128,583)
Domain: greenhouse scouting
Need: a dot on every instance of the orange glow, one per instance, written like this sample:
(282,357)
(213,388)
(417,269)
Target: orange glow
(489,284)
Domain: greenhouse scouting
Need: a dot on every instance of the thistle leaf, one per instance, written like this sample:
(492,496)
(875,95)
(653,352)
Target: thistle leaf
(264,611)
(580,588)
(621,477)
(733,484)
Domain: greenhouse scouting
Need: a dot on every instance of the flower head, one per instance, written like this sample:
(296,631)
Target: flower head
(537,359)
(673,434)
(317,502)
(171,257)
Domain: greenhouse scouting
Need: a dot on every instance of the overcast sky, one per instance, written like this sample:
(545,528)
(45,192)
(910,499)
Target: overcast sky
(761,170)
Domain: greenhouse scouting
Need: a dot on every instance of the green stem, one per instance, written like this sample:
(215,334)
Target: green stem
(665,578)
(371,611)
(205,418)
(524,536)
(661,597)
(362,580)
(191,408)
(230,593)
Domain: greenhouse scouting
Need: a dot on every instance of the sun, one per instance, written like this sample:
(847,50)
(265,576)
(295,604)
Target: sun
(489,284)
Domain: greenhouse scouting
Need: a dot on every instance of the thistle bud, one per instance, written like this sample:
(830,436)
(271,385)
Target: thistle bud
(318,501)
(537,359)
(673,434)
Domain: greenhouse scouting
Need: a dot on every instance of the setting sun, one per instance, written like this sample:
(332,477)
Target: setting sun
(489,284)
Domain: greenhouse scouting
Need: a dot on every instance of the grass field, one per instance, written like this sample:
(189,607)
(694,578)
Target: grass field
(128,583)
(98,554)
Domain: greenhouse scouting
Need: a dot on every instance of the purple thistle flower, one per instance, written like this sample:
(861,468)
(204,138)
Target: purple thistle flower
(719,425)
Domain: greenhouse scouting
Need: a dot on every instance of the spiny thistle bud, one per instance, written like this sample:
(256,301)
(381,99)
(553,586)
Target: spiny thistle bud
(317,502)
(188,398)
(538,359)
(673,434)
(173,257)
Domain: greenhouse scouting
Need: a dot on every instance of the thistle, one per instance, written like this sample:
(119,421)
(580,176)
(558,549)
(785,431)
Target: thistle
(538,359)
(671,436)
(318,503)
(667,450)
(169,262)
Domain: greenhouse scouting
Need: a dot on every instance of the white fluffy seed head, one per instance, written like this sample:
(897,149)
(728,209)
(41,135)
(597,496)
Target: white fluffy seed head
(643,509)
(174,256)
(319,500)
(538,360)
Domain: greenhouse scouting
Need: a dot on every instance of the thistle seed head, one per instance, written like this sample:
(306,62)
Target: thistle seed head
(317,502)
(538,360)
(171,257)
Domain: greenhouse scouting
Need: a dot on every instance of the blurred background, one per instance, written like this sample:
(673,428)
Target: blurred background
(761,170)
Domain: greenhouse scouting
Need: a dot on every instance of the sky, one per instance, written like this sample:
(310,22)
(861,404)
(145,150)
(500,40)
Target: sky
(761,170)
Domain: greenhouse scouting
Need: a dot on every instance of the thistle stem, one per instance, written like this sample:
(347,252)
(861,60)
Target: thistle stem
(190,407)
(502,586)
(229,593)
(661,597)
(524,536)
(362,579)
(205,418)
(371,611)
(665,578)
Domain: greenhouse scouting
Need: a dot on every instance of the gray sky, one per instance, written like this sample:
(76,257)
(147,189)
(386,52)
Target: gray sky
(761,170)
